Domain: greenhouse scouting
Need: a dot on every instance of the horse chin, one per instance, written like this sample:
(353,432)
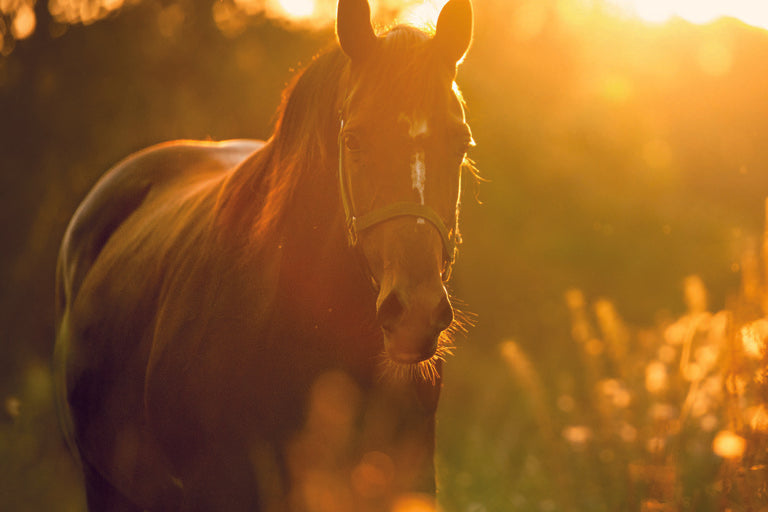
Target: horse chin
(403,357)
(408,367)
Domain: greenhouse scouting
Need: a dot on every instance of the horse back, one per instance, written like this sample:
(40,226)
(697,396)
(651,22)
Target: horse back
(123,189)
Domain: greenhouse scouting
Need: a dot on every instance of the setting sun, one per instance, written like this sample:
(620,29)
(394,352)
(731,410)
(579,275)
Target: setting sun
(423,13)
(696,11)
(298,8)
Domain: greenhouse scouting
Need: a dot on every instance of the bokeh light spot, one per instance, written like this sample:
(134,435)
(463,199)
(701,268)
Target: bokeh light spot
(728,445)
(577,435)
(415,503)
(24,22)
(656,377)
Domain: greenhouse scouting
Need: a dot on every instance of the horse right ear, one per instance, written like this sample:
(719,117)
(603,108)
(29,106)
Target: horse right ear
(354,29)
(453,33)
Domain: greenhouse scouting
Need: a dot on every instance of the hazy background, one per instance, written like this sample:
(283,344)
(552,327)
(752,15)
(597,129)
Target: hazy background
(620,157)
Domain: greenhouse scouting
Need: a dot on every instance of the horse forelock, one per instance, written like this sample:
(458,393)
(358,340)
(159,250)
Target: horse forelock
(404,74)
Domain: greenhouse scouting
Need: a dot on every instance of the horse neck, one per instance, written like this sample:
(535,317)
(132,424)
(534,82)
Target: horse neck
(288,196)
(304,171)
(316,245)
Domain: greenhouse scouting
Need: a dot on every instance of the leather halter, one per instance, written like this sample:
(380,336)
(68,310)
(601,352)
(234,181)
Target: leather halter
(357,223)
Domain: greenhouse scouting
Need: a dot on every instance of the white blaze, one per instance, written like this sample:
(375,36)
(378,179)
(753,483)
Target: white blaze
(417,128)
(418,174)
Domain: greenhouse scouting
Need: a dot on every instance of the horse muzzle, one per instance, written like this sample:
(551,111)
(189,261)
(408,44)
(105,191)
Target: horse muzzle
(412,321)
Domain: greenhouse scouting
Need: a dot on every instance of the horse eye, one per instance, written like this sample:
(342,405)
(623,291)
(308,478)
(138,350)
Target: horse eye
(352,142)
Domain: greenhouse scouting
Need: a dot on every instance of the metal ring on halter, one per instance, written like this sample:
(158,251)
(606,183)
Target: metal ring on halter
(357,224)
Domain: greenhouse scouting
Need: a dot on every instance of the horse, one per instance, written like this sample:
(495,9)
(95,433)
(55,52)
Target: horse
(261,326)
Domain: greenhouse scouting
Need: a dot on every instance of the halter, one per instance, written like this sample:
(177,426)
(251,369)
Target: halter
(356,224)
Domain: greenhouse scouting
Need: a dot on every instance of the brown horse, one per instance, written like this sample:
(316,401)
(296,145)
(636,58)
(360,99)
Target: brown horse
(260,325)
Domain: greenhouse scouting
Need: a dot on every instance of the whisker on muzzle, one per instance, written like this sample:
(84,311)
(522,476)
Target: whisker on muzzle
(427,370)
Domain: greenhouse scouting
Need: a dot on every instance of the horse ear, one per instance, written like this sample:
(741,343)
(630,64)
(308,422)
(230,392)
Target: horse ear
(354,29)
(453,33)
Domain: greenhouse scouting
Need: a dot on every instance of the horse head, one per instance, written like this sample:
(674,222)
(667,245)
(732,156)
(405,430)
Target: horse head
(402,143)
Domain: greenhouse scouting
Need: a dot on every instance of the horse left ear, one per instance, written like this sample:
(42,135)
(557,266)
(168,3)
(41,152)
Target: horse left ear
(354,29)
(453,33)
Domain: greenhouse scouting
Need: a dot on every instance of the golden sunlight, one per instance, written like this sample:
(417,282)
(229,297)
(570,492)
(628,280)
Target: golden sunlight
(298,8)
(423,14)
(659,11)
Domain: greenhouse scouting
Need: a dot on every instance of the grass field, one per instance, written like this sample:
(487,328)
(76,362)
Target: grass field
(672,417)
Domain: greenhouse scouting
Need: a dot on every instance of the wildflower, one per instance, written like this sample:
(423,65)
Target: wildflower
(758,418)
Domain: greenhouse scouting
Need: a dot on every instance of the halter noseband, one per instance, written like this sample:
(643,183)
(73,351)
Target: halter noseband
(356,224)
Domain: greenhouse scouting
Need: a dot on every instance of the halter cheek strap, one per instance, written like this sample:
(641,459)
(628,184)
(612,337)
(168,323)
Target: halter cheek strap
(356,224)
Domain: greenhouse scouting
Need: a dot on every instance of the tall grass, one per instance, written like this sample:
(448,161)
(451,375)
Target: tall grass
(668,418)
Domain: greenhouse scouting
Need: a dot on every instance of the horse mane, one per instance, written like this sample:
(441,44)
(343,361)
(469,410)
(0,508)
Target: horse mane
(259,190)
(304,146)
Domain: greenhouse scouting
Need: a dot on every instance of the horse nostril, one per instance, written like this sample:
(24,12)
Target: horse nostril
(390,311)
(443,316)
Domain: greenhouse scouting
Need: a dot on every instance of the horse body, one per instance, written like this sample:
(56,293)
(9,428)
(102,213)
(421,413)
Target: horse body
(219,342)
(128,255)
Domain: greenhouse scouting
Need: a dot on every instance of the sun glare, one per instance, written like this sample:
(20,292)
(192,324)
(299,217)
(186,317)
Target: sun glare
(696,11)
(298,8)
(423,14)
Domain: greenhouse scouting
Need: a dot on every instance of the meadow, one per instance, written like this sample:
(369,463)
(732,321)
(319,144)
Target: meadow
(670,417)
(614,255)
